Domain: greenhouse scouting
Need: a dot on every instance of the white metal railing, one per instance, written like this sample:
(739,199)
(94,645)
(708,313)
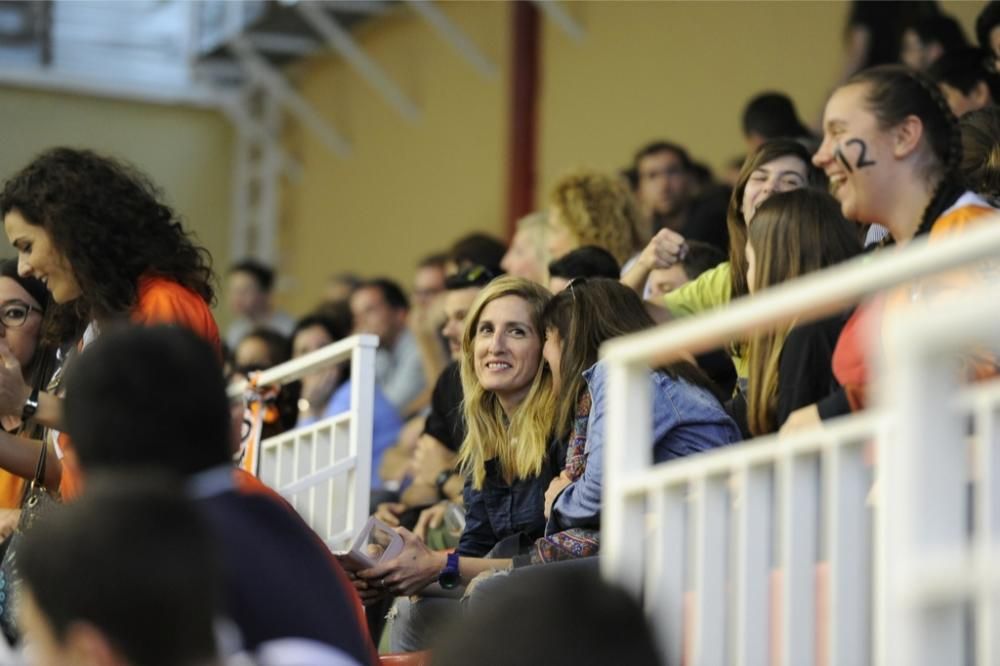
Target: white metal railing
(324,469)
(776,551)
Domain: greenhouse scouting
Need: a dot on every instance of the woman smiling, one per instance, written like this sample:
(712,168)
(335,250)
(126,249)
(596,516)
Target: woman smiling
(96,232)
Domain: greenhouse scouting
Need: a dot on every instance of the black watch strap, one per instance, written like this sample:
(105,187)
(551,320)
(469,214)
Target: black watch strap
(30,405)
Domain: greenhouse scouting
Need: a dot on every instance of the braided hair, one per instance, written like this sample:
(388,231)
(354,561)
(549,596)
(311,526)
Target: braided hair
(896,92)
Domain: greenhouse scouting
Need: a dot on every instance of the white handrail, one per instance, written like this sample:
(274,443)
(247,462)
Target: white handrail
(812,488)
(298,368)
(810,297)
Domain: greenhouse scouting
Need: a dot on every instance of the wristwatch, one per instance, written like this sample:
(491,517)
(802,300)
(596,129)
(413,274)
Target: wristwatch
(449,578)
(30,405)
(442,479)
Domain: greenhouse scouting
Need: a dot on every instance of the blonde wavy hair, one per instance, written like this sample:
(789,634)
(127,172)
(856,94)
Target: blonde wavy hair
(599,210)
(518,442)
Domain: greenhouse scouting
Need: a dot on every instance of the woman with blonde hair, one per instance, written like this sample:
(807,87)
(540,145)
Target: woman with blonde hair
(528,254)
(594,208)
(505,456)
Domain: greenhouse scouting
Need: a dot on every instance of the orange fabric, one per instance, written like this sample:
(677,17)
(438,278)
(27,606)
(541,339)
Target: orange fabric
(249,484)
(11,490)
(851,362)
(161,301)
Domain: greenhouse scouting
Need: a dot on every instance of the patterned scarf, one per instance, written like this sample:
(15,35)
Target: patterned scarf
(575,542)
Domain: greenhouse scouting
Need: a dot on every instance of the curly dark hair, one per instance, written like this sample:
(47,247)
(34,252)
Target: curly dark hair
(110,222)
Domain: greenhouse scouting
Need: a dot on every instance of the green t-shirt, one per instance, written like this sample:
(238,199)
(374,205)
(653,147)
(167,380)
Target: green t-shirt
(709,290)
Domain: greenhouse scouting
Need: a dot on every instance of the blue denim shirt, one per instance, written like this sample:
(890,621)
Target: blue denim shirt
(686,419)
(500,511)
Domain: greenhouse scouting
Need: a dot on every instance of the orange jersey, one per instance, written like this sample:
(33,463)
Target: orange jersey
(161,301)
(851,358)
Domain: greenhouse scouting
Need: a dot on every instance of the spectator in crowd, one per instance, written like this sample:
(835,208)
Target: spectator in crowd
(528,255)
(927,39)
(874,32)
(777,166)
(892,150)
(586,261)
(22,306)
(593,208)
(380,308)
(965,80)
(772,115)
(125,575)
(261,349)
(663,185)
(698,258)
(326,393)
(154,399)
(508,401)
(96,232)
(432,465)
(686,416)
(427,316)
(987,33)
(249,291)
(476,249)
(793,234)
(558,616)
(339,287)
(428,282)
(981,153)
(437,484)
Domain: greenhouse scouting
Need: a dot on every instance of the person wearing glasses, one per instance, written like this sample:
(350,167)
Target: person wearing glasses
(22,306)
(96,232)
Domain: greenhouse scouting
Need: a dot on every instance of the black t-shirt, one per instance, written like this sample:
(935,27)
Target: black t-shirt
(446,422)
(805,372)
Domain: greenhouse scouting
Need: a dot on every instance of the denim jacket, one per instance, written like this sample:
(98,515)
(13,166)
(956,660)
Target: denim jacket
(502,511)
(686,419)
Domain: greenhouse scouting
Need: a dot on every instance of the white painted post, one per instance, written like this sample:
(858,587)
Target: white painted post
(799,501)
(664,576)
(848,554)
(754,518)
(630,450)
(710,573)
(363,414)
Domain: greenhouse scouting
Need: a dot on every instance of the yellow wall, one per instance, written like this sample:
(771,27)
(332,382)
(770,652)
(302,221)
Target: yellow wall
(408,189)
(186,151)
(681,71)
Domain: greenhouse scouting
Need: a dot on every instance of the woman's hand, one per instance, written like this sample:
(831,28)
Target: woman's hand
(411,571)
(803,418)
(13,389)
(389,512)
(368,593)
(430,518)
(664,250)
(556,486)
